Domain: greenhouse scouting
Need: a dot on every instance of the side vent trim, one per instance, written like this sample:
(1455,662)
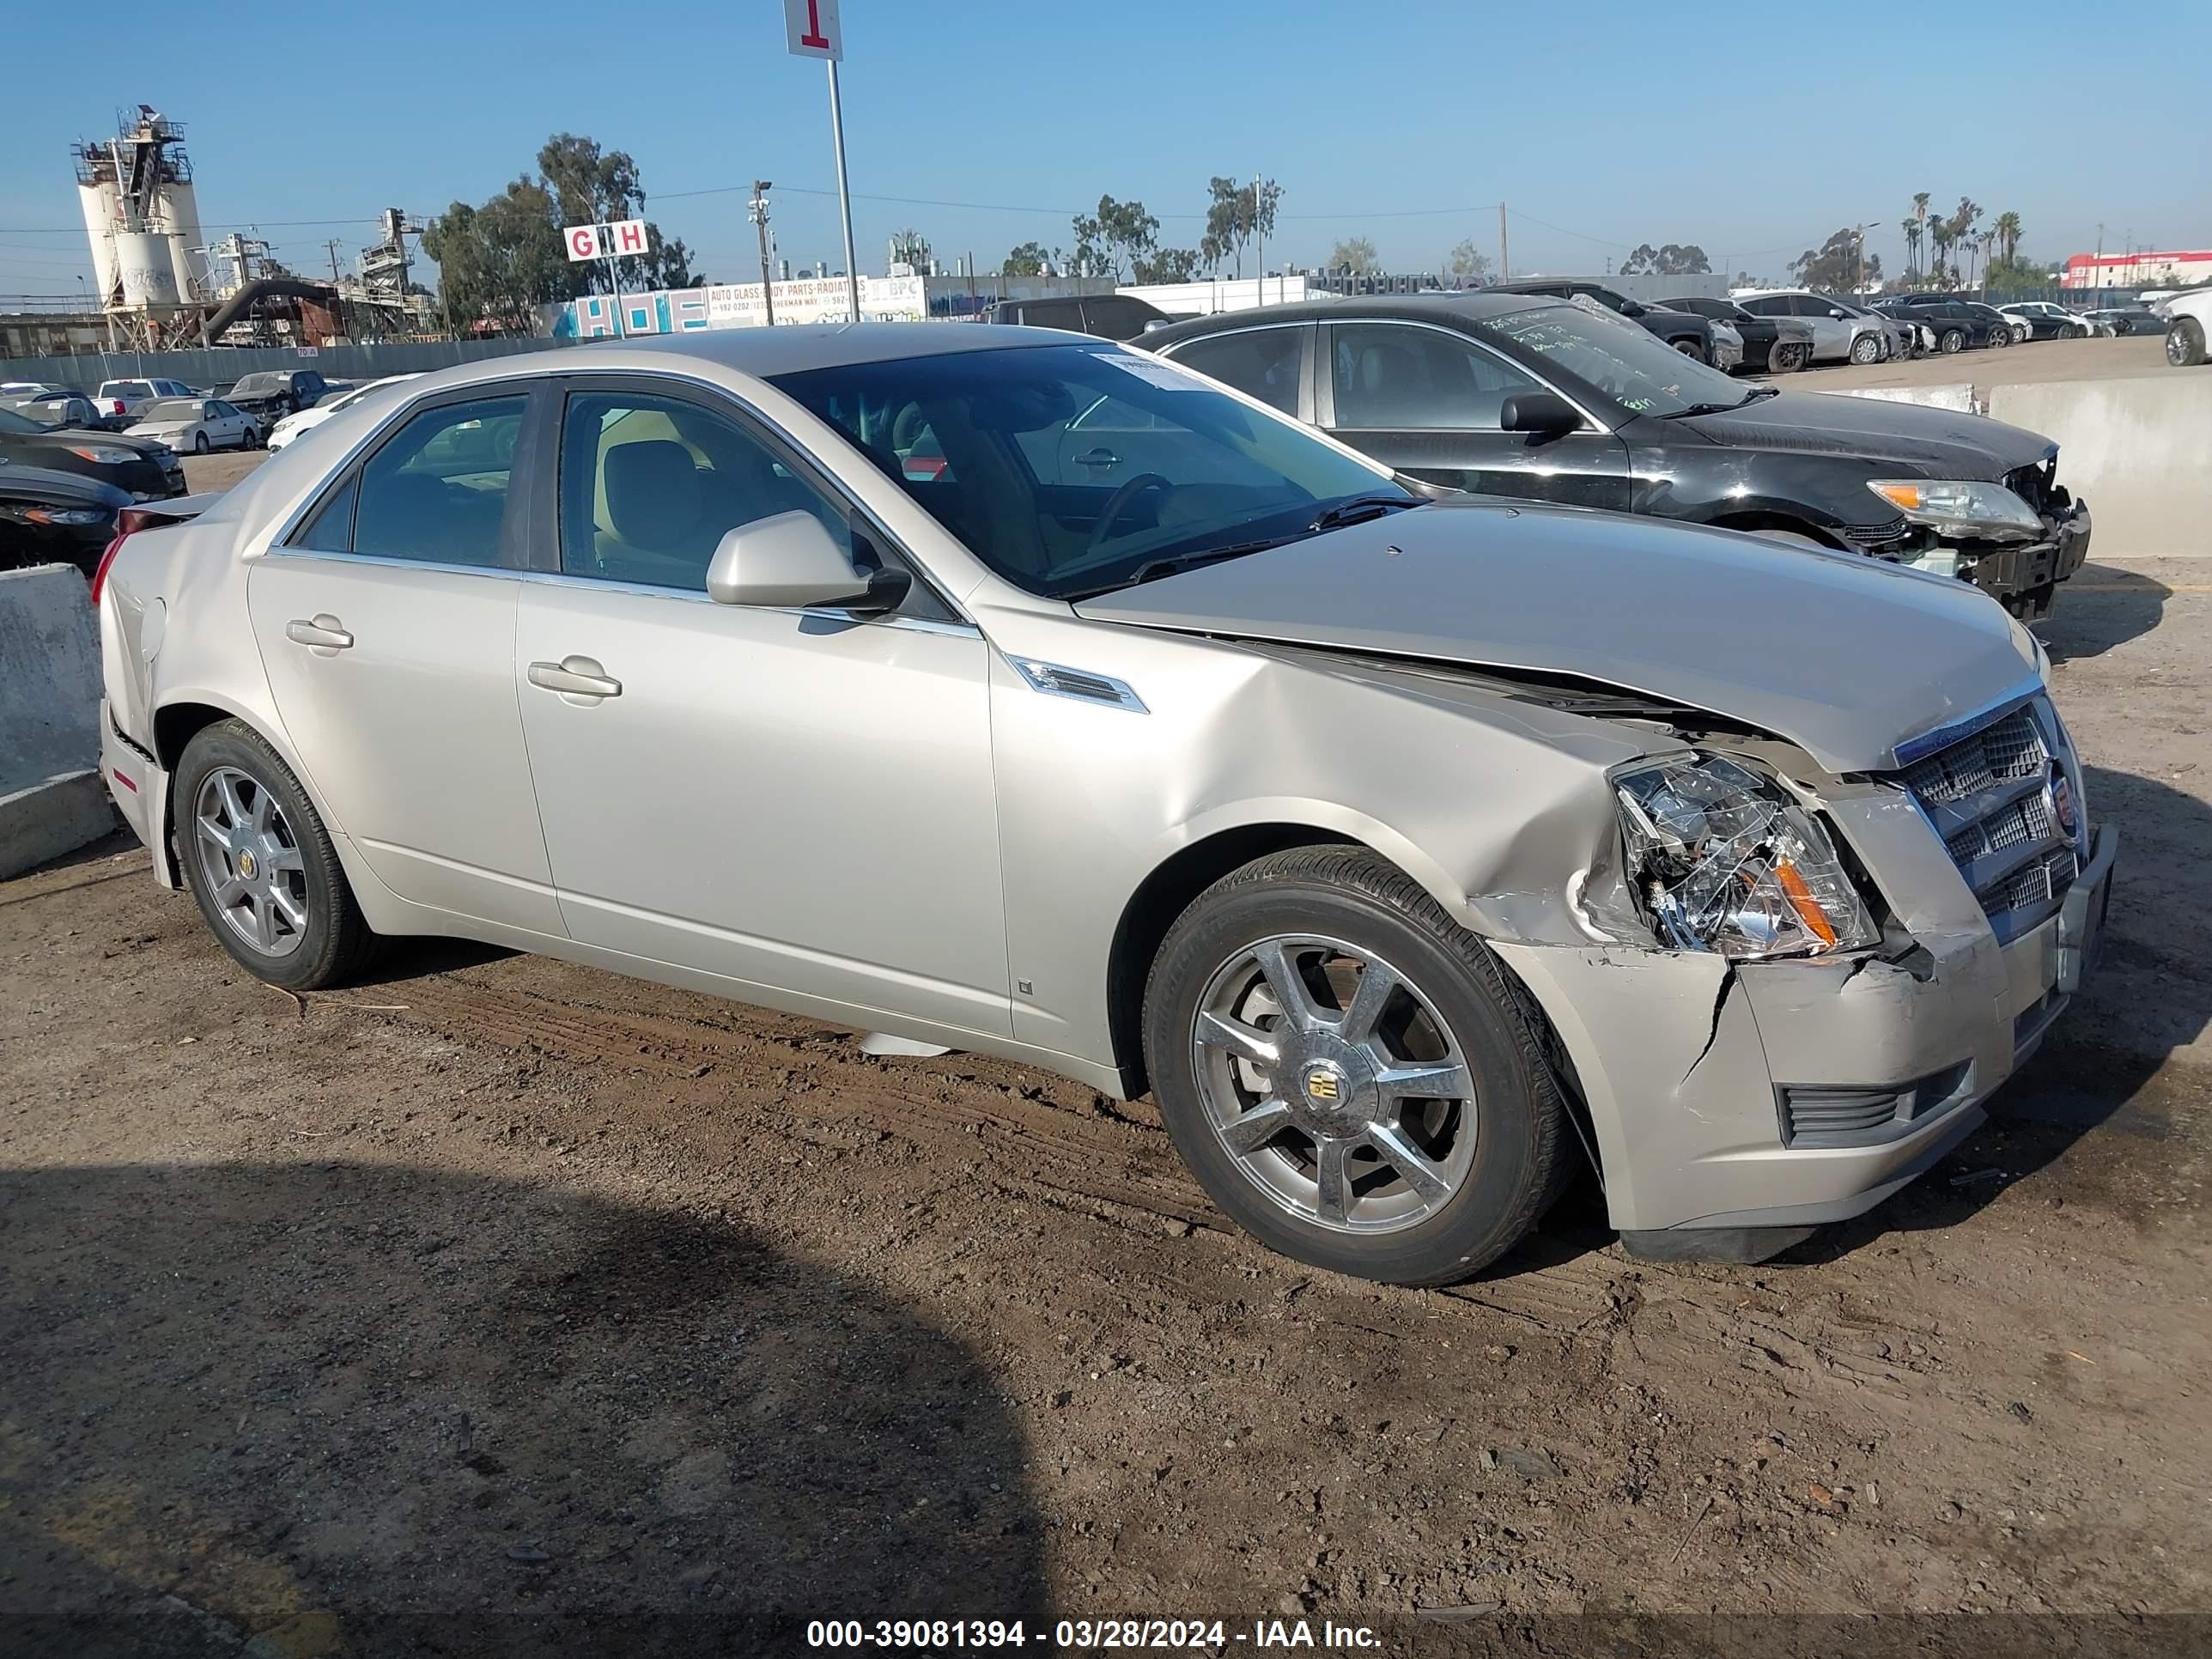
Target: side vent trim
(1058,680)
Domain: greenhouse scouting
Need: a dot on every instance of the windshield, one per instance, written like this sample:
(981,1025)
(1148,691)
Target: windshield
(1070,468)
(257,383)
(1625,361)
(171,408)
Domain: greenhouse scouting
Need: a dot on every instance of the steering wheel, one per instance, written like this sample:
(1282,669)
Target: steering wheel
(1118,503)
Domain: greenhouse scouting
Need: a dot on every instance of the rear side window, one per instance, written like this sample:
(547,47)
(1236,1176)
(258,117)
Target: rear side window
(436,491)
(1259,362)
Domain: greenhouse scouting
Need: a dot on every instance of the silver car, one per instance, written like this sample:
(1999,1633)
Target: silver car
(1842,330)
(1405,850)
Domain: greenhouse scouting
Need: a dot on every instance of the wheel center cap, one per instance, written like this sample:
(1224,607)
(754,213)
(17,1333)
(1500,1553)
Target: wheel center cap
(247,865)
(1332,1092)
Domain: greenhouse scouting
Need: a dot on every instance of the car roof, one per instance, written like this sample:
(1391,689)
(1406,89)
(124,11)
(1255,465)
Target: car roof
(1469,305)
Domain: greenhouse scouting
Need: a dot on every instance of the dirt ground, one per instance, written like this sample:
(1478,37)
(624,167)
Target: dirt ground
(502,1306)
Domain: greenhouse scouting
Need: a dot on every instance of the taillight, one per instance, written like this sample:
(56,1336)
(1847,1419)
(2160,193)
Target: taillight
(106,558)
(118,406)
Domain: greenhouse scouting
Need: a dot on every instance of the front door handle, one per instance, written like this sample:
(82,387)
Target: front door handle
(1100,457)
(326,633)
(574,677)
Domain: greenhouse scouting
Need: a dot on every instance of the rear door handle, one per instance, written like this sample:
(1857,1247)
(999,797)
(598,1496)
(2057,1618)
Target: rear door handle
(1100,457)
(574,677)
(326,633)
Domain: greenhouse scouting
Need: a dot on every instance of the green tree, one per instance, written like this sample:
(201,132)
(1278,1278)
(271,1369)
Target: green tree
(1027,260)
(498,263)
(1235,214)
(1355,254)
(1839,265)
(2008,235)
(591,186)
(1918,235)
(1168,265)
(1092,257)
(1129,234)
(1466,261)
(1674,259)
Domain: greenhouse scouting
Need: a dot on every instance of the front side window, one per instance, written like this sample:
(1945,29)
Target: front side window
(1259,362)
(650,485)
(1395,376)
(1061,511)
(437,491)
(1771,305)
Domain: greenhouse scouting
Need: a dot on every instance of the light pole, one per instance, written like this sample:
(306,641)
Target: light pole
(761,188)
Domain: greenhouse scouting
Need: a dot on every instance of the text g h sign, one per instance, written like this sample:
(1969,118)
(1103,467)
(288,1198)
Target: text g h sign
(624,237)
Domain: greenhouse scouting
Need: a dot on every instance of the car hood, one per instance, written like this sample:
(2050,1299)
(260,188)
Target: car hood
(1931,442)
(52,489)
(1844,655)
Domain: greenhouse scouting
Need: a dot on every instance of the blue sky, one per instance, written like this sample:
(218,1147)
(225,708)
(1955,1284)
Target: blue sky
(1753,132)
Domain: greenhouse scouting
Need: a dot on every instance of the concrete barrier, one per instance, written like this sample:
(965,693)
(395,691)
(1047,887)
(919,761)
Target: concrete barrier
(2137,450)
(51,798)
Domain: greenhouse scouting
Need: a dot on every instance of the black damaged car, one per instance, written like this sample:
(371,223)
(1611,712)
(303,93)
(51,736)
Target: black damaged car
(1517,396)
(144,469)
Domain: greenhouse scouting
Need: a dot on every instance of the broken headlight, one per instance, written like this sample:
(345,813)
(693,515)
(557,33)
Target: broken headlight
(1722,858)
(1961,507)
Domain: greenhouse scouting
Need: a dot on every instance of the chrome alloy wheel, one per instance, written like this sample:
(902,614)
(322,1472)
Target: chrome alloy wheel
(251,862)
(1336,1086)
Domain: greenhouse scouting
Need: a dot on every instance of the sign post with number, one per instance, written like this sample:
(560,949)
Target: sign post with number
(625,238)
(813,29)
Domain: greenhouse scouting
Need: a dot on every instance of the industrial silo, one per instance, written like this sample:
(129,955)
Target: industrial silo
(102,205)
(176,210)
(146,270)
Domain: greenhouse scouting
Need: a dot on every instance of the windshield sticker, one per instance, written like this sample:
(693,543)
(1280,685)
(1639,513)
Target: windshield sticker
(1151,373)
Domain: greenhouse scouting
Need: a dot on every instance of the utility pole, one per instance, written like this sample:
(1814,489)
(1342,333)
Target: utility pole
(1260,238)
(761,188)
(1504,247)
(333,244)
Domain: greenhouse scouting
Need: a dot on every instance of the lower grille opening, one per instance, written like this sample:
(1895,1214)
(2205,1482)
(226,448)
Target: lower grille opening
(1816,1114)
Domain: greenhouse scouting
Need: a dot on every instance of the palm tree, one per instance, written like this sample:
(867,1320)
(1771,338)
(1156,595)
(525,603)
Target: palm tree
(1920,200)
(1912,229)
(2007,234)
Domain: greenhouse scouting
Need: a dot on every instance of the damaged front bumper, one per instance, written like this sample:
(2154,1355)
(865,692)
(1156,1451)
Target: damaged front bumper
(1739,1106)
(2022,576)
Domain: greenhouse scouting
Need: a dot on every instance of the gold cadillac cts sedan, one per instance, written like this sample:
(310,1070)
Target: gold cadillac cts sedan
(1009,690)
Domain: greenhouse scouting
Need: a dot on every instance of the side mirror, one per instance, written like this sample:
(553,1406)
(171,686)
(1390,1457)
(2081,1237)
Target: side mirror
(1544,413)
(789,562)
(1630,308)
(1837,315)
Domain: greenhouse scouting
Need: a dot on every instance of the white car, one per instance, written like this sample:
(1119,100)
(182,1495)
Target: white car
(306,420)
(2188,321)
(197,424)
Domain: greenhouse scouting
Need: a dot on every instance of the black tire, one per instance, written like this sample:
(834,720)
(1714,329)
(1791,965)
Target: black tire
(1692,350)
(1866,349)
(336,942)
(199,443)
(1523,1151)
(1952,340)
(2184,344)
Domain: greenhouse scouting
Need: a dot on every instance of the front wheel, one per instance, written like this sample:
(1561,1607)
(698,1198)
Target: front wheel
(199,443)
(2184,344)
(260,864)
(1348,1073)
(1692,350)
(1954,341)
(1866,349)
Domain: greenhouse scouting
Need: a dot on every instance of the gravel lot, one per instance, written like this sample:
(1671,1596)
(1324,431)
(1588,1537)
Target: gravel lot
(503,1306)
(2020,365)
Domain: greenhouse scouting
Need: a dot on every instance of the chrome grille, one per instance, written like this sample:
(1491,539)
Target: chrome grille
(1988,795)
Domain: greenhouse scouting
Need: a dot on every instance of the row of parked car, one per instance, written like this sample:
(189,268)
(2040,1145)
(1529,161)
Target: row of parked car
(66,473)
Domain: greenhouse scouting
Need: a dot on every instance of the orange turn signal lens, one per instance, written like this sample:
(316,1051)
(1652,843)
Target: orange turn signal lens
(1802,901)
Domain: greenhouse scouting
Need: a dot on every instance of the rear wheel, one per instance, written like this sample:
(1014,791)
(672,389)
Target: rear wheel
(1866,347)
(1348,1073)
(260,864)
(1953,340)
(2185,343)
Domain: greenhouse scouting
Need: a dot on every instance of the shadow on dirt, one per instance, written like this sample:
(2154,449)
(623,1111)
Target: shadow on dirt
(2100,607)
(355,1411)
(2100,1067)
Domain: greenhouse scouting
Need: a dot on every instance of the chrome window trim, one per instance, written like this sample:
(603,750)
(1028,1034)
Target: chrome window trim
(1590,422)
(640,589)
(561,374)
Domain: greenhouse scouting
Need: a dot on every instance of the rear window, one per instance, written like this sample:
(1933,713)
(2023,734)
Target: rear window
(125,389)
